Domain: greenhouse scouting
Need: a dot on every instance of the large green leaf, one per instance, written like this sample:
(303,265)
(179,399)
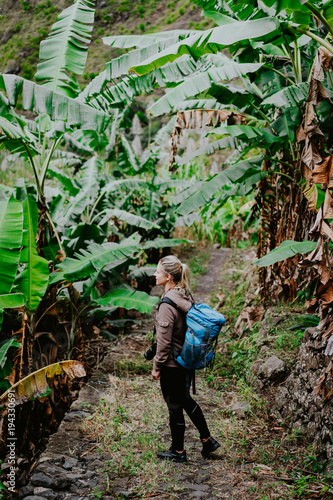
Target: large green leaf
(11,233)
(5,346)
(226,142)
(11,300)
(199,83)
(64,179)
(287,249)
(33,280)
(129,299)
(199,104)
(235,173)
(88,192)
(121,65)
(65,49)
(129,218)
(91,260)
(164,243)
(209,41)
(289,97)
(133,85)
(40,99)
(142,41)
(252,134)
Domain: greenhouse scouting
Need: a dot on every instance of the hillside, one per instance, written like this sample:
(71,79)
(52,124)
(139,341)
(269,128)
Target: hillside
(24,23)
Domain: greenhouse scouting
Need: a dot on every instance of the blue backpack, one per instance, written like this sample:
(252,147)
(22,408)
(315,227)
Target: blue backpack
(203,326)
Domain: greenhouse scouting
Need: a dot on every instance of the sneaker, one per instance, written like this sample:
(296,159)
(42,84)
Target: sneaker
(209,446)
(172,456)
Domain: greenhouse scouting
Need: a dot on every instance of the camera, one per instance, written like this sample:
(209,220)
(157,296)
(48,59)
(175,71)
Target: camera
(150,353)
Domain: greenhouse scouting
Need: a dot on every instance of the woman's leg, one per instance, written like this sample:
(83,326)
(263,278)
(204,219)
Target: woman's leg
(175,385)
(194,411)
(173,393)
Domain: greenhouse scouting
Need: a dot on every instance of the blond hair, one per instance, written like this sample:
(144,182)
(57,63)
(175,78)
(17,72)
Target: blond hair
(180,272)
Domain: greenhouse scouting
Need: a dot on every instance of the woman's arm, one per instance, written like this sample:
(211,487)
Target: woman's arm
(164,329)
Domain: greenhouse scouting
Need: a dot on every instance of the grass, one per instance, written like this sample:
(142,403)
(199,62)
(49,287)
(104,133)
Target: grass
(128,427)
(259,459)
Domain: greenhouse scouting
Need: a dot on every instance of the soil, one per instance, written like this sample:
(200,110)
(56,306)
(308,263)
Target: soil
(73,464)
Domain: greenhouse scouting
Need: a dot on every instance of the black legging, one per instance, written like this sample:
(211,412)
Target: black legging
(175,385)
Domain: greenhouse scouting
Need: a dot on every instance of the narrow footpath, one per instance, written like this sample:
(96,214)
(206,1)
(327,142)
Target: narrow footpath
(106,445)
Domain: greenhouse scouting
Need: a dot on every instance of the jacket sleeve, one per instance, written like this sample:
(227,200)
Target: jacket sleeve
(164,329)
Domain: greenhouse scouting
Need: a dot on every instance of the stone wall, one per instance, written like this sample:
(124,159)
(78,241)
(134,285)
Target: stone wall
(295,404)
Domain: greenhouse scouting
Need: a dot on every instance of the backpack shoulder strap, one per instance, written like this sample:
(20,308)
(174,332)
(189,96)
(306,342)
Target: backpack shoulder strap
(166,300)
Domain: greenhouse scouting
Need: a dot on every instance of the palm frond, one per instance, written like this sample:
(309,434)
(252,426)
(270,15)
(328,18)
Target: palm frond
(65,50)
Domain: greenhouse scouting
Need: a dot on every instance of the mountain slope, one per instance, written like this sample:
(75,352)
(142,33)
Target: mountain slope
(24,23)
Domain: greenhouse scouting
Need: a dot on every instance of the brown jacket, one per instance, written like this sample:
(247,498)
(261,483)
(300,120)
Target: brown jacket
(170,328)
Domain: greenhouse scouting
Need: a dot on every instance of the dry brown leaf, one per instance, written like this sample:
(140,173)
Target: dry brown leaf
(300,134)
(61,256)
(326,57)
(199,113)
(323,172)
(326,230)
(325,294)
(316,228)
(187,115)
(209,117)
(328,206)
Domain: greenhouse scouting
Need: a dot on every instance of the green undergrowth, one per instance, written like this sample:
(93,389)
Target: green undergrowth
(277,331)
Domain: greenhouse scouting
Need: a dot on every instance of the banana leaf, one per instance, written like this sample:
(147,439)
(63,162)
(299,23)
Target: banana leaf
(209,41)
(35,385)
(5,346)
(142,41)
(132,184)
(129,218)
(65,49)
(63,178)
(40,99)
(226,142)
(11,300)
(91,260)
(289,97)
(201,82)
(247,132)
(287,249)
(164,243)
(129,299)
(121,65)
(133,85)
(136,272)
(199,104)
(11,233)
(33,280)
(236,173)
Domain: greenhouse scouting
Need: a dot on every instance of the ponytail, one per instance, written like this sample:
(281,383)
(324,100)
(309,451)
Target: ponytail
(185,278)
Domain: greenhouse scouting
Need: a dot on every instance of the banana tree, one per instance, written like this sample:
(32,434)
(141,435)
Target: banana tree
(274,47)
(52,99)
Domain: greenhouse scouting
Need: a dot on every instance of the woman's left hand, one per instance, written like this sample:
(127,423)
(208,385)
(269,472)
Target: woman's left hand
(156,374)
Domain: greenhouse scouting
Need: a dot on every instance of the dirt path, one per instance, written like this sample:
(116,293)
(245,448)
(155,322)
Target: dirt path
(106,446)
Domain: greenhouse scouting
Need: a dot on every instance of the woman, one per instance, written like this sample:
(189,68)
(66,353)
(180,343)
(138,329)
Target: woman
(175,381)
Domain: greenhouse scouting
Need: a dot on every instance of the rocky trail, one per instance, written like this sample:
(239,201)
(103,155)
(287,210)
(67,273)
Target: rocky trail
(106,445)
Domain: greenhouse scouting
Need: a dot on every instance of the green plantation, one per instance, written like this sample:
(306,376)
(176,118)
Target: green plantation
(132,131)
